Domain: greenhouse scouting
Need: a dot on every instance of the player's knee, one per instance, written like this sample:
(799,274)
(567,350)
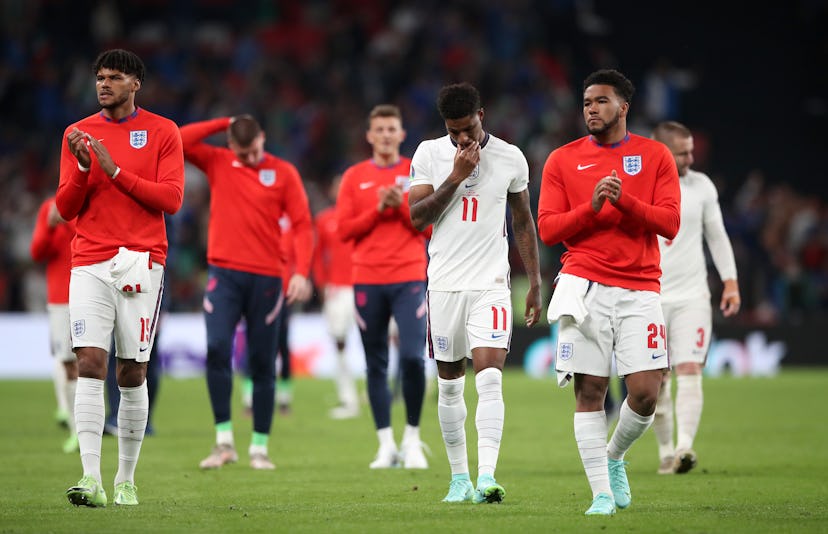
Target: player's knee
(643,402)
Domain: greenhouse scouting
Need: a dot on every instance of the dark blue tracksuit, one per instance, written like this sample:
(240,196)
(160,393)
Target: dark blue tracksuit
(229,296)
(376,304)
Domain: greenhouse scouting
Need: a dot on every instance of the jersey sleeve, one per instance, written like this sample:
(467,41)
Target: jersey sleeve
(196,151)
(71,192)
(41,246)
(298,209)
(557,219)
(715,234)
(352,223)
(520,180)
(421,170)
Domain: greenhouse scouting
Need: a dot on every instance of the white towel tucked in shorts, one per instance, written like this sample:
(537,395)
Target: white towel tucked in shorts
(130,271)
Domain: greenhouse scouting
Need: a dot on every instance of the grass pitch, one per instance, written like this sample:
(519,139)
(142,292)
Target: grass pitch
(762,445)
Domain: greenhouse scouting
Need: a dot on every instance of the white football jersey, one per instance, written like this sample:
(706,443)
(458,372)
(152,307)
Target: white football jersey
(683,266)
(469,247)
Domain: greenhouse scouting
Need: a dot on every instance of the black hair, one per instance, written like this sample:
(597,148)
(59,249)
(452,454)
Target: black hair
(458,100)
(121,60)
(623,87)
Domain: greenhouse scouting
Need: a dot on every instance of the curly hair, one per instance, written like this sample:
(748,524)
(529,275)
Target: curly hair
(623,87)
(122,60)
(458,100)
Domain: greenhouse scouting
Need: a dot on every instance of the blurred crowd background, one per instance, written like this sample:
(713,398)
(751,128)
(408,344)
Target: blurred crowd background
(751,84)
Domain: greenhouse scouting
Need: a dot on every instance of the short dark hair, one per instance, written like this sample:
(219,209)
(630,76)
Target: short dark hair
(122,60)
(623,87)
(243,130)
(385,110)
(458,100)
(666,129)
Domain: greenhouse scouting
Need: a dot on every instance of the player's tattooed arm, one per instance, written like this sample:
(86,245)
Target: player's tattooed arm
(426,204)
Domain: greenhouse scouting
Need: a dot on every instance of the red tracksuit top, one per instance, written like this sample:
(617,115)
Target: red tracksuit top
(127,211)
(246,204)
(332,261)
(387,247)
(53,246)
(616,246)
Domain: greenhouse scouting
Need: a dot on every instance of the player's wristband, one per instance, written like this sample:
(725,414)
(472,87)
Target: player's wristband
(114,174)
(81,168)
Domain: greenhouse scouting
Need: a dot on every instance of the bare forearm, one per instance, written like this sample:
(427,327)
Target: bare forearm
(527,245)
(428,209)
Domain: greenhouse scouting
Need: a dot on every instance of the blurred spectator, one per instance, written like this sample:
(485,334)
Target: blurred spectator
(310,69)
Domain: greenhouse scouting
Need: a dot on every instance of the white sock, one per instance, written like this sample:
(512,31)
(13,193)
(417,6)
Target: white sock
(451,412)
(257,449)
(89,422)
(132,422)
(489,419)
(345,384)
(689,401)
(59,380)
(225,437)
(630,427)
(663,421)
(591,437)
(411,434)
(70,388)
(386,438)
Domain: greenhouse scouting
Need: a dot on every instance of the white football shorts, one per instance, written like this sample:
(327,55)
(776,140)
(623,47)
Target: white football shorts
(689,325)
(97,310)
(459,321)
(338,310)
(60,340)
(626,323)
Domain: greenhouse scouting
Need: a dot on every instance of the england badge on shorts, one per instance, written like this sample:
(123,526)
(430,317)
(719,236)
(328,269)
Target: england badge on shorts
(564,351)
(78,328)
(137,138)
(442,343)
(267,177)
(632,165)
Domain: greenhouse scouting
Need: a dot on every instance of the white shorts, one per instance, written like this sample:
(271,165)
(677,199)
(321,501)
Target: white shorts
(459,321)
(689,325)
(97,309)
(622,322)
(60,340)
(338,309)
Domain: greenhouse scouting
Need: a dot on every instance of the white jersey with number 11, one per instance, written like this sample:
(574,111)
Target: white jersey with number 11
(469,247)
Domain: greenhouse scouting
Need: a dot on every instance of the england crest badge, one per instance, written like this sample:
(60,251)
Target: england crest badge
(79,327)
(404,182)
(442,343)
(137,138)
(632,165)
(267,177)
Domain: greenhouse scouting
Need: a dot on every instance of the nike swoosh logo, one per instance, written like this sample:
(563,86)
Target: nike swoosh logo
(468,185)
(366,185)
(657,356)
(497,336)
(582,167)
(143,350)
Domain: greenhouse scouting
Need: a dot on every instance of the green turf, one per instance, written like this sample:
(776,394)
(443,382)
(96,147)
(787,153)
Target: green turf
(763,467)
